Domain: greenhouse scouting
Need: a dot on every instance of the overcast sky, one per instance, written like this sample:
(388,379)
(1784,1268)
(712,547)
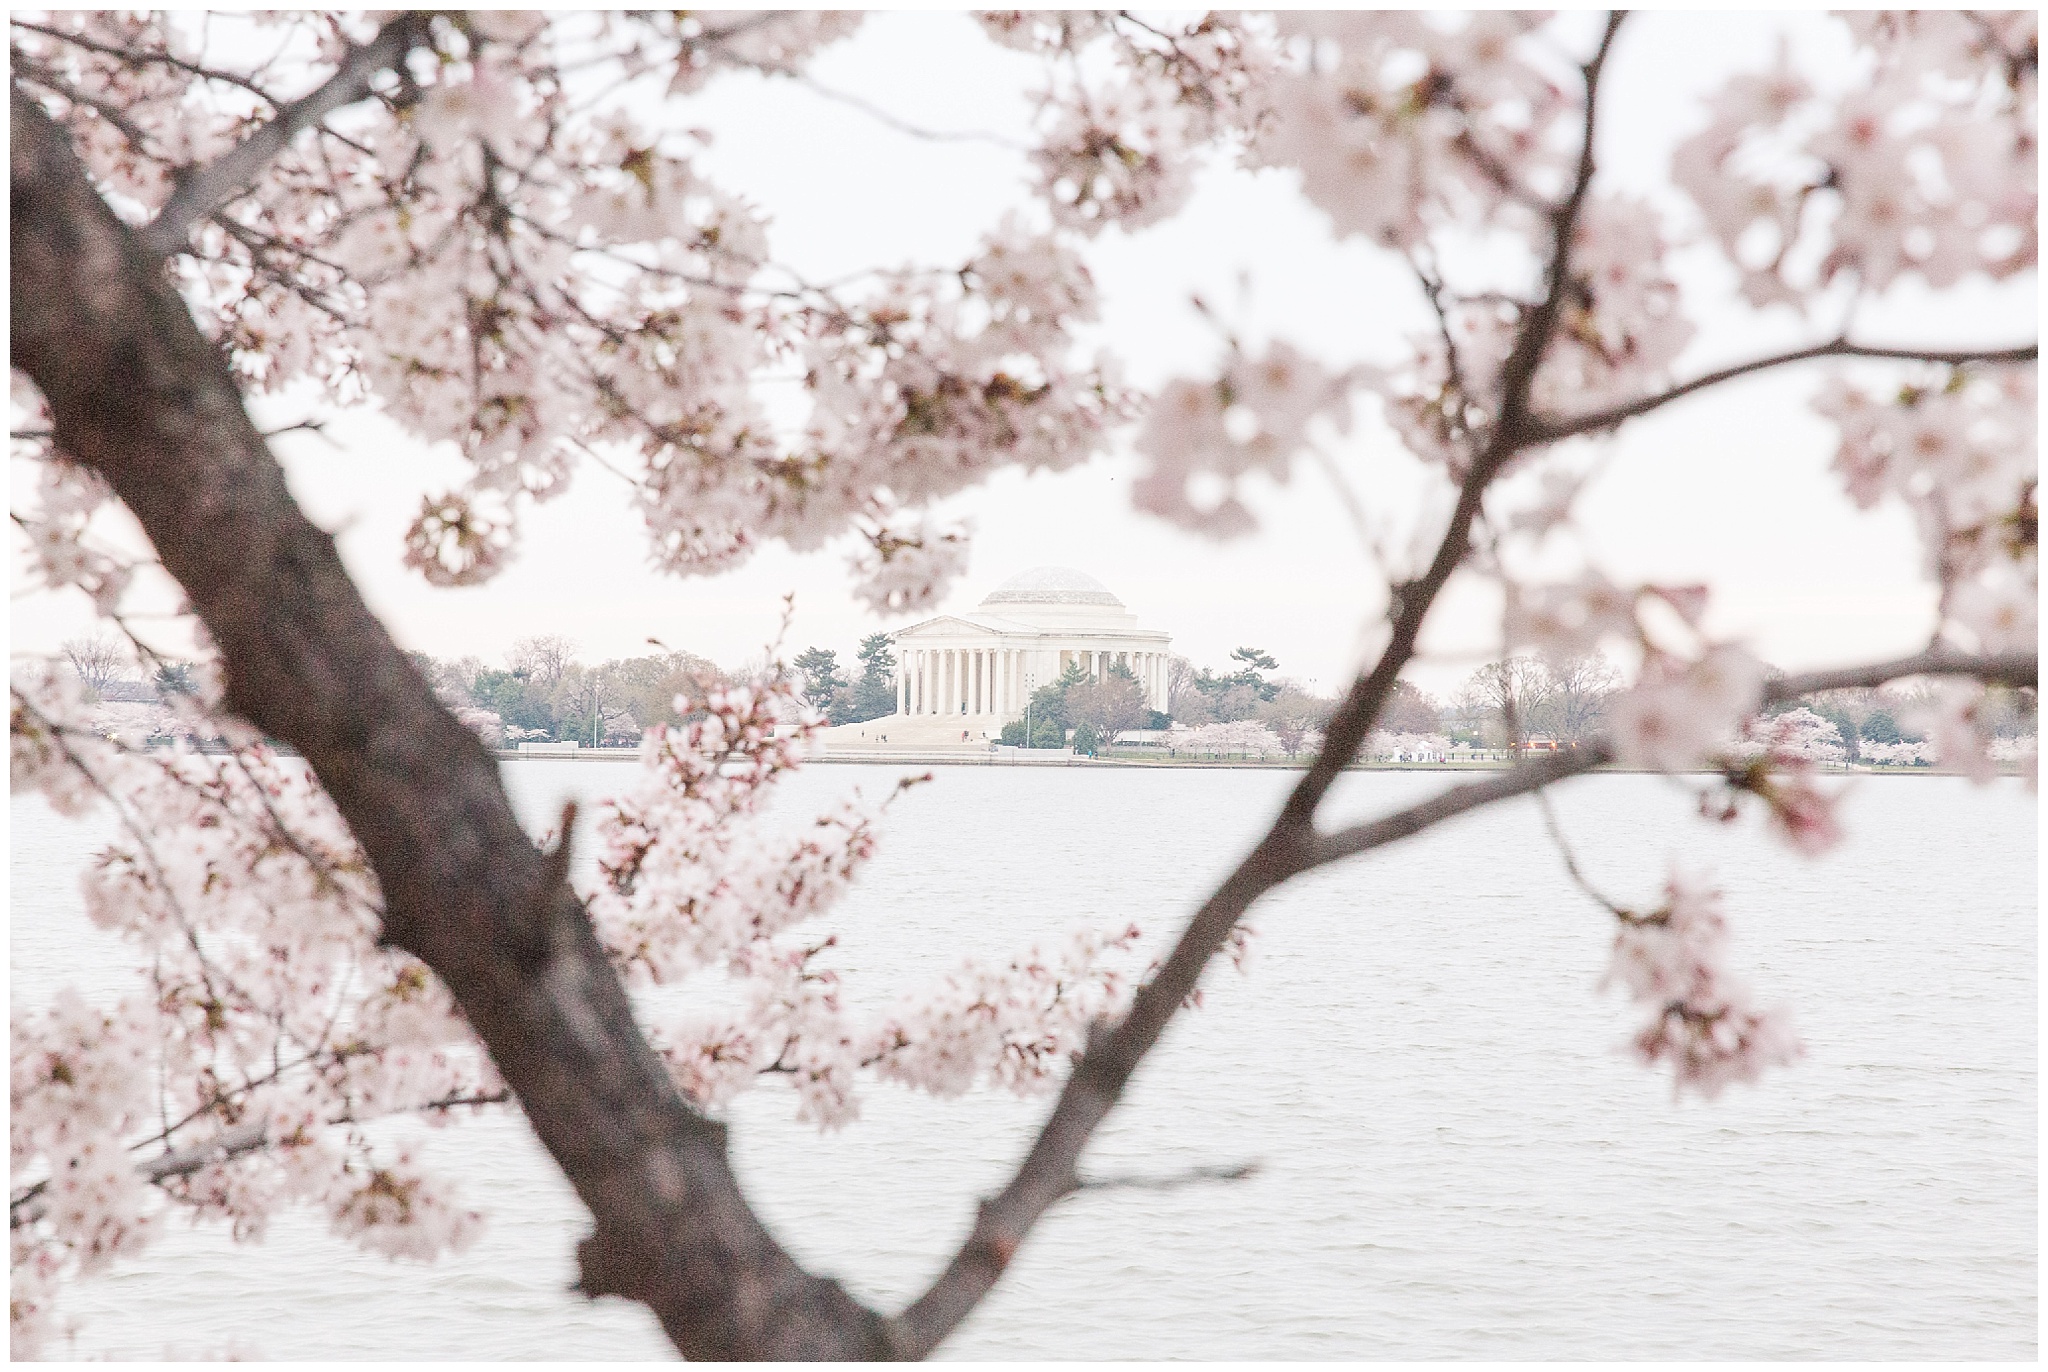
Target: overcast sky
(1732,489)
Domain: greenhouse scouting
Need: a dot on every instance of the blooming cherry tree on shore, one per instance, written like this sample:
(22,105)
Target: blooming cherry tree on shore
(475,222)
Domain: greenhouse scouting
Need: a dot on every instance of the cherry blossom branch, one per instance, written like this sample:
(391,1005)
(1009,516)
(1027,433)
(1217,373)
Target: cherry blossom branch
(1410,602)
(233,1142)
(32,1204)
(35,73)
(888,120)
(1571,859)
(1288,848)
(206,189)
(2002,669)
(140,396)
(144,57)
(1553,430)
(1996,669)
(1518,780)
(1291,845)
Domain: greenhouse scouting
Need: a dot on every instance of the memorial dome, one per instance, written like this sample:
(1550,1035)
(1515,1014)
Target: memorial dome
(1052,586)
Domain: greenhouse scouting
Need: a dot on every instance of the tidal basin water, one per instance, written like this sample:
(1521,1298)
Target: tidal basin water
(1454,1159)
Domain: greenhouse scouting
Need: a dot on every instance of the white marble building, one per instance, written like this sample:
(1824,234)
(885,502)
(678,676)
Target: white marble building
(980,668)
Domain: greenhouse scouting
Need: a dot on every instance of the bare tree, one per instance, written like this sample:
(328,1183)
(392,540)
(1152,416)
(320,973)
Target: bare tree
(98,660)
(1292,713)
(1411,711)
(1180,678)
(1579,687)
(543,658)
(647,687)
(589,698)
(1113,704)
(1508,695)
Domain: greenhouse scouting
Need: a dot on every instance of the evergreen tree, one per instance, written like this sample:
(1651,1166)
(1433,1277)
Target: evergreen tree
(874,695)
(824,686)
(1255,663)
(175,679)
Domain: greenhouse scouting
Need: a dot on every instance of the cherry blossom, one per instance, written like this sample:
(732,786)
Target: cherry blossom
(1924,167)
(1383,746)
(502,248)
(1701,1020)
(1955,736)
(1255,417)
(1901,754)
(1796,735)
(1680,711)
(275,1019)
(1238,738)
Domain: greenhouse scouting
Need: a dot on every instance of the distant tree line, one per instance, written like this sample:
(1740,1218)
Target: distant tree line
(544,694)
(1522,698)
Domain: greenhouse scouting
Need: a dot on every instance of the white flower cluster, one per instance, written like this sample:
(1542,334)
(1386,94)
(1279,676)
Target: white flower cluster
(270,1015)
(1958,737)
(268,1010)
(692,882)
(1682,712)
(1253,418)
(1962,454)
(1797,735)
(1701,1020)
(1383,746)
(526,275)
(1925,166)
(1238,738)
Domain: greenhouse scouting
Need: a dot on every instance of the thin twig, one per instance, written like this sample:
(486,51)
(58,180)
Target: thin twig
(1171,1181)
(1571,861)
(900,125)
(231,175)
(1554,430)
(145,57)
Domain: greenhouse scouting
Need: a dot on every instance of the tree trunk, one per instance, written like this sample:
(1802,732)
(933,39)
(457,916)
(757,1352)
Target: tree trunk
(141,397)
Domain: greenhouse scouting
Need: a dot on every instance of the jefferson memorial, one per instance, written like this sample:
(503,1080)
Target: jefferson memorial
(973,673)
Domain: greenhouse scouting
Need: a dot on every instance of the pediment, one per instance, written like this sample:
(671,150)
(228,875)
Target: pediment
(970,626)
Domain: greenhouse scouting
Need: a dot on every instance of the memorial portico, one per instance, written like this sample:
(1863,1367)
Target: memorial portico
(980,668)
